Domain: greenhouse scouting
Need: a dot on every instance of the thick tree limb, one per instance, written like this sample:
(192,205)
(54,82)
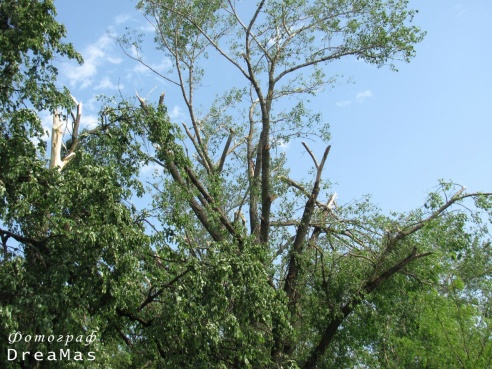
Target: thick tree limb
(254,218)
(133,317)
(332,328)
(197,209)
(56,160)
(38,245)
(311,154)
(264,149)
(156,294)
(302,230)
(216,208)
(401,234)
(225,152)
(75,129)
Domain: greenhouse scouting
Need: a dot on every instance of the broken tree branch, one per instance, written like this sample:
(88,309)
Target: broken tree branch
(225,152)
(298,244)
(311,154)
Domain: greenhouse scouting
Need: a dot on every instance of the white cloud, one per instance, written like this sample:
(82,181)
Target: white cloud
(148,27)
(121,18)
(47,124)
(176,112)
(114,60)
(106,84)
(149,169)
(160,67)
(92,104)
(284,146)
(79,75)
(343,103)
(89,121)
(134,53)
(361,96)
(94,55)
(140,68)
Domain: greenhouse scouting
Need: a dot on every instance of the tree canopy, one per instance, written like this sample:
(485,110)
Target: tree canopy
(69,241)
(236,264)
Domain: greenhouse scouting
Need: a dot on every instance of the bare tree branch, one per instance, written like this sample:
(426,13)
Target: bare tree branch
(311,154)
(297,246)
(225,152)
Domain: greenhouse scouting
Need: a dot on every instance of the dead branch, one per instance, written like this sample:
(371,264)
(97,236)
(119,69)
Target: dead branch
(225,152)
(56,160)
(311,154)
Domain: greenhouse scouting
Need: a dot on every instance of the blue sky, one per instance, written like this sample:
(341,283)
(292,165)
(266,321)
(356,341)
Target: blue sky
(393,134)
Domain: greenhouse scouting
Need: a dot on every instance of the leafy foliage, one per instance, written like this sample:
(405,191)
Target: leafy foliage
(71,246)
(236,264)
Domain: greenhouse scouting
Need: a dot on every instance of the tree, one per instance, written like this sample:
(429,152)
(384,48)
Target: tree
(71,245)
(254,268)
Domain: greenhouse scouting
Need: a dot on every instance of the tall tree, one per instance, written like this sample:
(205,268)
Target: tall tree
(255,268)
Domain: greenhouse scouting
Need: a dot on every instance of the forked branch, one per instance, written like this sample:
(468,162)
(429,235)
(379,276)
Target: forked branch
(302,230)
(56,161)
